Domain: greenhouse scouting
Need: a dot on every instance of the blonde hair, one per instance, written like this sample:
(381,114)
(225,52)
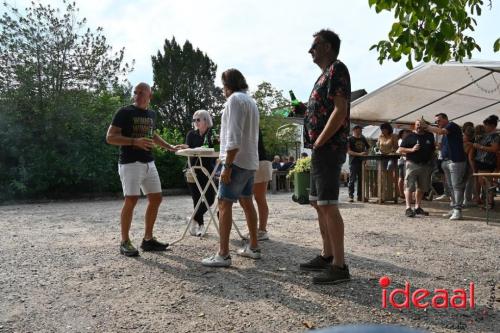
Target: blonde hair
(205,115)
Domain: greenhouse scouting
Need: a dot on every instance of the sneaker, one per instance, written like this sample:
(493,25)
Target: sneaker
(333,275)
(351,199)
(442,197)
(261,235)
(318,263)
(201,230)
(248,252)
(153,245)
(193,228)
(127,249)
(457,215)
(449,214)
(217,261)
(420,211)
(409,212)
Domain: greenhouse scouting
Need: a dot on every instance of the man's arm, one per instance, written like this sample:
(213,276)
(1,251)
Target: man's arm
(334,122)
(436,130)
(115,137)
(353,153)
(404,150)
(164,144)
(225,175)
(490,149)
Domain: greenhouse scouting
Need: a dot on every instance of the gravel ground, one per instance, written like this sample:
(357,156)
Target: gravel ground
(60,271)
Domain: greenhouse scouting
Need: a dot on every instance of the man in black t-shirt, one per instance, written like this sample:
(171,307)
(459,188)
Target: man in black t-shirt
(356,146)
(132,129)
(419,149)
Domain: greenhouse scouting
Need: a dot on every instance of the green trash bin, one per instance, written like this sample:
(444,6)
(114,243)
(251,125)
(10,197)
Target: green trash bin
(301,187)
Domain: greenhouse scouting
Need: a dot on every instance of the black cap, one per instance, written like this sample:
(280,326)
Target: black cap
(356,127)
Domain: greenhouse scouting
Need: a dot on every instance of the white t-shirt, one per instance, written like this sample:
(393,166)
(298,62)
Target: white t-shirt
(240,129)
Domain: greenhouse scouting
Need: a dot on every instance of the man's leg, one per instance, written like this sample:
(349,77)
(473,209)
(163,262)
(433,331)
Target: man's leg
(259,192)
(251,217)
(352,179)
(457,175)
(323,228)
(449,185)
(359,180)
(126,216)
(408,197)
(154,201)
(225,223)
(419,195)
(335,232)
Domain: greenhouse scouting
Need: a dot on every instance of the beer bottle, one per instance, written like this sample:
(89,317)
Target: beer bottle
(295,101)
(298,108)
(205,141)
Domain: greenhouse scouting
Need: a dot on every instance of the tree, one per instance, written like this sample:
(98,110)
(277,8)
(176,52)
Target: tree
(277,134)
(184,82)
(434,30)
(47,51)
(60,84)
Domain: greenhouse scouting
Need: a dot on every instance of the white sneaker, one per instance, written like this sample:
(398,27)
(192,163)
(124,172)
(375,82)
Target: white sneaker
(193,228)
(217,261)
(261,236)
(201,230)
(248,252)
(443,197)
(449,214)
(457,215)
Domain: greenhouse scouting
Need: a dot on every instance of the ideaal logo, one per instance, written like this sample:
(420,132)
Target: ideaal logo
(423,298)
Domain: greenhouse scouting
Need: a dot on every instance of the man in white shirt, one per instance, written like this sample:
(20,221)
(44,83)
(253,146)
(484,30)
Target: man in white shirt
(239,155)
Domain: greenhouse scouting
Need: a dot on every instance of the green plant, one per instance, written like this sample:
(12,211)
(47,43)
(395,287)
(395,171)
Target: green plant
(302,165)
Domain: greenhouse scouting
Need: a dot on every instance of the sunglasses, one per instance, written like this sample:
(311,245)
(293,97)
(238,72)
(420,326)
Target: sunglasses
(197,120)
(315,45)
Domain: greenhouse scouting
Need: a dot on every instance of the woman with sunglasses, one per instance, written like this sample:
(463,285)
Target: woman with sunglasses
(201,135)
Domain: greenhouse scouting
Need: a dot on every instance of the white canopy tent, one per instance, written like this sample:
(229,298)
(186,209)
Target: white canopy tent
(372,132)
(468,91)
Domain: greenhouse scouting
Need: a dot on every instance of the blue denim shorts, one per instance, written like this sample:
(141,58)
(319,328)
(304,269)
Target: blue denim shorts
(241,185)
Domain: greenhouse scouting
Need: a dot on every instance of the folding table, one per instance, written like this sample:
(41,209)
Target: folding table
(200,153)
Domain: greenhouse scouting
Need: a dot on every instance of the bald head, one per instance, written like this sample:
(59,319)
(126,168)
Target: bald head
(142,95)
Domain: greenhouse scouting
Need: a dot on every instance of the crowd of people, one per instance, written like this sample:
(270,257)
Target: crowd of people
(430,149)
(245,171)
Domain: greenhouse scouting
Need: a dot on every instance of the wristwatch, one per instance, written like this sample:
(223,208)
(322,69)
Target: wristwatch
(228,165)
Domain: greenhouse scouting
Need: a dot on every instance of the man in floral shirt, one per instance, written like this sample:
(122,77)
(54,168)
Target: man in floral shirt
(326,132)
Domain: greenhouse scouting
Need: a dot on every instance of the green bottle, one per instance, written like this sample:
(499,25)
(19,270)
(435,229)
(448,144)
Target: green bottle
(298,108)
(295,101)
(205,141)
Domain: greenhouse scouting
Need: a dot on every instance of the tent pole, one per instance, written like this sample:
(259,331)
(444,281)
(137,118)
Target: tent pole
(477,110)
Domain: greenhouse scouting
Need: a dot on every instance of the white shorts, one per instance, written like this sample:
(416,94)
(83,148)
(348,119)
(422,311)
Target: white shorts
(139,176)
(264,173)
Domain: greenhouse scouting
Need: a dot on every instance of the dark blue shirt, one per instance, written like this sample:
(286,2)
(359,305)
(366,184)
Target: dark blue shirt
(452,146)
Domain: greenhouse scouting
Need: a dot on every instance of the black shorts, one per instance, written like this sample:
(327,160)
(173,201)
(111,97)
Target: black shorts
(326,165)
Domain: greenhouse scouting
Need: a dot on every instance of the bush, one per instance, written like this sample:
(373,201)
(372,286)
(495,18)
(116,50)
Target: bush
(169,165)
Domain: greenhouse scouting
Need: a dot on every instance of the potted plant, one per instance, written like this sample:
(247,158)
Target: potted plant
(301,174)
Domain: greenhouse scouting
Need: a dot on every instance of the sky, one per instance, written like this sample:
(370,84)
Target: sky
(266,40)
